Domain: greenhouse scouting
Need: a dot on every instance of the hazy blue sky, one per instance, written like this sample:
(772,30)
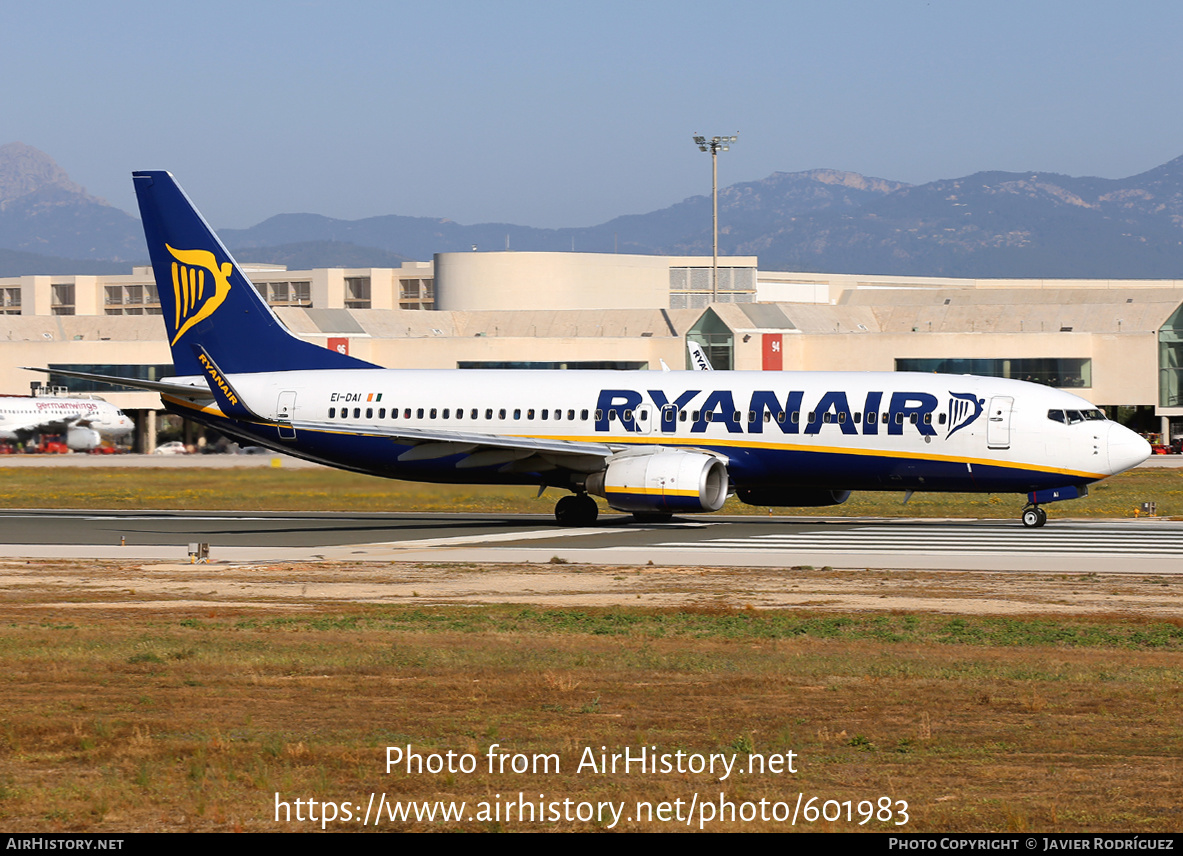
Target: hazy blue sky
(567,114)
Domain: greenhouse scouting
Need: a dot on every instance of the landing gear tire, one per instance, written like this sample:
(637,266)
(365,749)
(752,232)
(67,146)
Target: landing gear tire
(1034,517)
(576,510)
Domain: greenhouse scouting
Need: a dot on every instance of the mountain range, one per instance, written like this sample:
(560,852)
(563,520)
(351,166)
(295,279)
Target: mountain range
(990,224)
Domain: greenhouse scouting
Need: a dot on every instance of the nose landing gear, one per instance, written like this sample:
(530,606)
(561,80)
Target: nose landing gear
(1034,517)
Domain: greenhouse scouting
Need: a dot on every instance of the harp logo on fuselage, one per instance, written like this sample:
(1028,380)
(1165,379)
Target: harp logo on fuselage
(964,408)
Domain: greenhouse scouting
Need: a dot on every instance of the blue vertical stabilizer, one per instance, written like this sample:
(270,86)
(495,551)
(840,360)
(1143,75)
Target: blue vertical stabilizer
(206,299)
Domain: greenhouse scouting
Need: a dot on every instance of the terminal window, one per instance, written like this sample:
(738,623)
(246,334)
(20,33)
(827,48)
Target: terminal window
(1060,372)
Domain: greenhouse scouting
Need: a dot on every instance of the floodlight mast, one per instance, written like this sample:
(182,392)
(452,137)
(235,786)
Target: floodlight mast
(714,145)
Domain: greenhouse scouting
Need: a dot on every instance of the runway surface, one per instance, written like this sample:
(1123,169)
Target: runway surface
(1134,546)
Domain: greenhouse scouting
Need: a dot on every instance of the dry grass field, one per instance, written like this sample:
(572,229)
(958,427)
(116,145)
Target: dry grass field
(194,697)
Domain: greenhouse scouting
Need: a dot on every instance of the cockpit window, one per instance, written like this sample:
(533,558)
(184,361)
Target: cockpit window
(1074,417)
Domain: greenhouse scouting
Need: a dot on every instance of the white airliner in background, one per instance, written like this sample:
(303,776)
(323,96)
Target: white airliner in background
(85,422)
(650,443)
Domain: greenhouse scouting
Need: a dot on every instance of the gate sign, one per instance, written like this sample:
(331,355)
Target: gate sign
(773,358)
(340,345)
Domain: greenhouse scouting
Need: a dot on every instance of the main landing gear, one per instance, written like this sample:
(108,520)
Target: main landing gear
(579,509)
(1034,517)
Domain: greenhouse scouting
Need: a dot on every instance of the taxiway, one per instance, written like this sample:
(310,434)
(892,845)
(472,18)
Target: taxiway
(1099,546)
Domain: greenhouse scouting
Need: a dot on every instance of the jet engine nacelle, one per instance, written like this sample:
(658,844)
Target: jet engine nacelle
(794,497)
(664,481)
(82,439)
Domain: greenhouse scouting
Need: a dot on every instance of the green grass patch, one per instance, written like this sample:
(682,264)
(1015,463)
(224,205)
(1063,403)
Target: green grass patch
(334,490)
(727,624)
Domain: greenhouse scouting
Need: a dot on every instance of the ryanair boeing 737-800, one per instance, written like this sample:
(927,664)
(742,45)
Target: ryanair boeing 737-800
(651,443)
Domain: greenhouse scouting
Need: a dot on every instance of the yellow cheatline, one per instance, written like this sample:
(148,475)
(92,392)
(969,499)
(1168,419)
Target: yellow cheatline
(649,491)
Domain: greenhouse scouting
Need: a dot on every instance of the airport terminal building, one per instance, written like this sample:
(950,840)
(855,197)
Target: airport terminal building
(1117,343)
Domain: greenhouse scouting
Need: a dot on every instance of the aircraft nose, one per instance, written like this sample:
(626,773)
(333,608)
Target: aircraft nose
(1126,449)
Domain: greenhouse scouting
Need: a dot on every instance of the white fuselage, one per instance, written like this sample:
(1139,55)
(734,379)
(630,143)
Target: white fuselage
(862,431)
(26,415)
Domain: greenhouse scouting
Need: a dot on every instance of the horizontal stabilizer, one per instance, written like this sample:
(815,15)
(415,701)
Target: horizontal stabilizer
(175,387)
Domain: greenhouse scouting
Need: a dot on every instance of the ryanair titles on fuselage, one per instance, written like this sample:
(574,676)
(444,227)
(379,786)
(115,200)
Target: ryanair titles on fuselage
(789,414)
(880,412)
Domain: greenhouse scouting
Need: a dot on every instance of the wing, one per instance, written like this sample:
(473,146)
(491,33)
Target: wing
(42,423)
(526,454)
(11,426)
(511,453)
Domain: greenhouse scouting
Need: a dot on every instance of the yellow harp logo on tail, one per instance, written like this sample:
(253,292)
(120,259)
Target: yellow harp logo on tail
(194,299)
